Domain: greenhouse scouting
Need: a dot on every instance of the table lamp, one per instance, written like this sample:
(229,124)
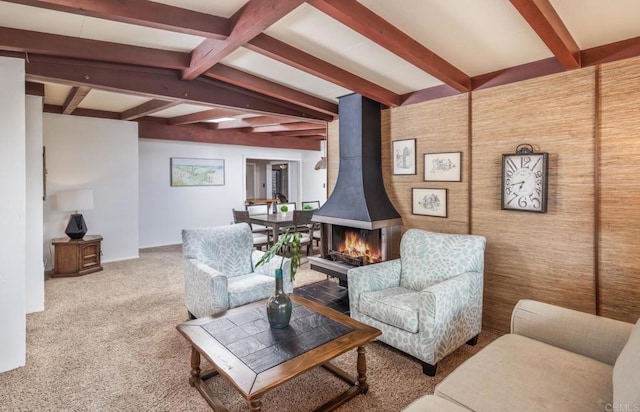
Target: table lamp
(74,200)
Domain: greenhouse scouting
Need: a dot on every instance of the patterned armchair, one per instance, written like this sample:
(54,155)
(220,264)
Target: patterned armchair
(220,271)
(428,302)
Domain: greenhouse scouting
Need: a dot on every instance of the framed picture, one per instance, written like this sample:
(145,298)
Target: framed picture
(197,172)
(404,157)
(429,202)
(443,167)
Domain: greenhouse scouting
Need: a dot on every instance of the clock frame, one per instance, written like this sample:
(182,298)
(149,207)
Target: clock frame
(524,180)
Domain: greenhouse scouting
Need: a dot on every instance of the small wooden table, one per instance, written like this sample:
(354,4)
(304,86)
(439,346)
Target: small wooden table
(77,257)
(255,358)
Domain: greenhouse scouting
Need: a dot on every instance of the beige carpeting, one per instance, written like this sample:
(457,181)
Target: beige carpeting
(107,342)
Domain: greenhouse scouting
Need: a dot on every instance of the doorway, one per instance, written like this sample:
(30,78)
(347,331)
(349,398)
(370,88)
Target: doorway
(265,178)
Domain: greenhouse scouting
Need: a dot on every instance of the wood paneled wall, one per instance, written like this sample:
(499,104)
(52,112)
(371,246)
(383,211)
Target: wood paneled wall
(584,253)
(438,126)
(543,256)
(619,229)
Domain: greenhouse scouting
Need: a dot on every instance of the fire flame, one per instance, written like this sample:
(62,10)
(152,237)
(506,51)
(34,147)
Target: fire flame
(355,246)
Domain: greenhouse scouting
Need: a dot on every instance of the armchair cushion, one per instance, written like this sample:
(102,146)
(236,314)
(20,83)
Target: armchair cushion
(429,258)
(249,288)
(394,306)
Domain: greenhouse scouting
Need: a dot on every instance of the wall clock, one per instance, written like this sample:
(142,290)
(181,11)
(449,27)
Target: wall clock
(524,180)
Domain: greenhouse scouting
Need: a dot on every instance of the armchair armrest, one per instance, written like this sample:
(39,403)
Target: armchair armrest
(594,336)
(269,269)
(453,308)
(205,289)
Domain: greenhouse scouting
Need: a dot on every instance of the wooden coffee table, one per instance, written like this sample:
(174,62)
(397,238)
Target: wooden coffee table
(255,358)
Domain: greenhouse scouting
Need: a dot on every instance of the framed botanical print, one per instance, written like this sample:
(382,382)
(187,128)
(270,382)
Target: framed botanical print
(404,157)
(443,167)
(429,202)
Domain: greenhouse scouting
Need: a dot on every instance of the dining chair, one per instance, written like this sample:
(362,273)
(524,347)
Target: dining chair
(316,233)
(302,224)
(315,204)
(259,239)
(258,209)
(290,205)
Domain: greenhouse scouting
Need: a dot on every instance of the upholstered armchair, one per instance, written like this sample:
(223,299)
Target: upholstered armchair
(220,273)
(428,302)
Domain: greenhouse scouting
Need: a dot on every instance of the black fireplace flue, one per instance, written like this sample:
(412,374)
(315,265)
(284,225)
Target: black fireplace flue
(358,209)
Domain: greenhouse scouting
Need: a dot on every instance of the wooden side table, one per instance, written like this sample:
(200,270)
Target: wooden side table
(77,257)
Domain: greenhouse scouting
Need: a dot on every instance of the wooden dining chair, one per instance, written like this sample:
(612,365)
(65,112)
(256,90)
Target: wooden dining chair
(259,239)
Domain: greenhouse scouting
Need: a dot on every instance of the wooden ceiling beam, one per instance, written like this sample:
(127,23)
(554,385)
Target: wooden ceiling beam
(546,22)
(254,17)
(195,133)
(142,13)
(301,60)
(255,121)
(248,81)
(362,20)
(147,108)
(74,98)
(203,116)
(606,53)
(301,133)
(24,41)
(102,114)
(34,89)
(160,84)
(65,46)
(284,127)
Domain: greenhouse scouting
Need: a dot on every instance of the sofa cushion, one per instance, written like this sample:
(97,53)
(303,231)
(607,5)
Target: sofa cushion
(523,374)
(433,403)
(394,306)
(626,374)
(249,288)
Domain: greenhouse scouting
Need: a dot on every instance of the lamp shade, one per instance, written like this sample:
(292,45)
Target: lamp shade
(74,200)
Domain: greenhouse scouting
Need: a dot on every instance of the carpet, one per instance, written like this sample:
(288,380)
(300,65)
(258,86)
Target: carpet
(107,342)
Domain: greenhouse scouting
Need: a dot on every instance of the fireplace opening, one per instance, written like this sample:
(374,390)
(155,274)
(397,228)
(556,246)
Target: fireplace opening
(355,247)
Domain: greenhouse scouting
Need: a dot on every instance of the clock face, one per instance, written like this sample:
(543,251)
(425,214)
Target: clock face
(524,180)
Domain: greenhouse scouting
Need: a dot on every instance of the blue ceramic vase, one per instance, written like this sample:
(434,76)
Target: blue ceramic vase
(279,305)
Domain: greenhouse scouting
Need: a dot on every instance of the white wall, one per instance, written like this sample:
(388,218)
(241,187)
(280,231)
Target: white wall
(102,155)
(314,181)
(12,214)
(166,210)
(34,233)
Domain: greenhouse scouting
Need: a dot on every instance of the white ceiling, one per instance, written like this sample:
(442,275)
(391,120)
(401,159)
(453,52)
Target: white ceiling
(475,36)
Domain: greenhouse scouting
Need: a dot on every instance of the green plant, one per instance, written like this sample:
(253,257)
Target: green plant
(284,208)
(307,207)
(291,239)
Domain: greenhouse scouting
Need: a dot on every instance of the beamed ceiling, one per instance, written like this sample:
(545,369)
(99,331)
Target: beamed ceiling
(277,67)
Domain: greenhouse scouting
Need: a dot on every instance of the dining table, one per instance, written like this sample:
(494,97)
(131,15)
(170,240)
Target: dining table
(273,220)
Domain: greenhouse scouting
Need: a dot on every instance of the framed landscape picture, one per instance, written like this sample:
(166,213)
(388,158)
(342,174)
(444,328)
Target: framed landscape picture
(197,172)
(404,157)
(429,202)
(443,167)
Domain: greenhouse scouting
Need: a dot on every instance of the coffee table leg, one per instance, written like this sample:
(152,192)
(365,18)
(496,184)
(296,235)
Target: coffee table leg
(195,366)
(256,405)
(362,370)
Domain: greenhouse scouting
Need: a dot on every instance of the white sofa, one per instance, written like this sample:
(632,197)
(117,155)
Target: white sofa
(554,359)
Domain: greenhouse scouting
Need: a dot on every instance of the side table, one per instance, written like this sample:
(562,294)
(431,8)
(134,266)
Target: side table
(77,257)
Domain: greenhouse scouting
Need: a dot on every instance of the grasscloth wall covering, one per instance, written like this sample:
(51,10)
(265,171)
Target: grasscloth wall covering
(619,229)
(564,256)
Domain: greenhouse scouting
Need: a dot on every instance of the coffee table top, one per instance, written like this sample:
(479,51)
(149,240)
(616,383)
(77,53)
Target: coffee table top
(256,358)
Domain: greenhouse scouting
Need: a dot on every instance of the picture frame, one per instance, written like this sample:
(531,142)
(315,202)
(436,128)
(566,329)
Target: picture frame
(404,157)
(443,167)
(429,202)
(196,172)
